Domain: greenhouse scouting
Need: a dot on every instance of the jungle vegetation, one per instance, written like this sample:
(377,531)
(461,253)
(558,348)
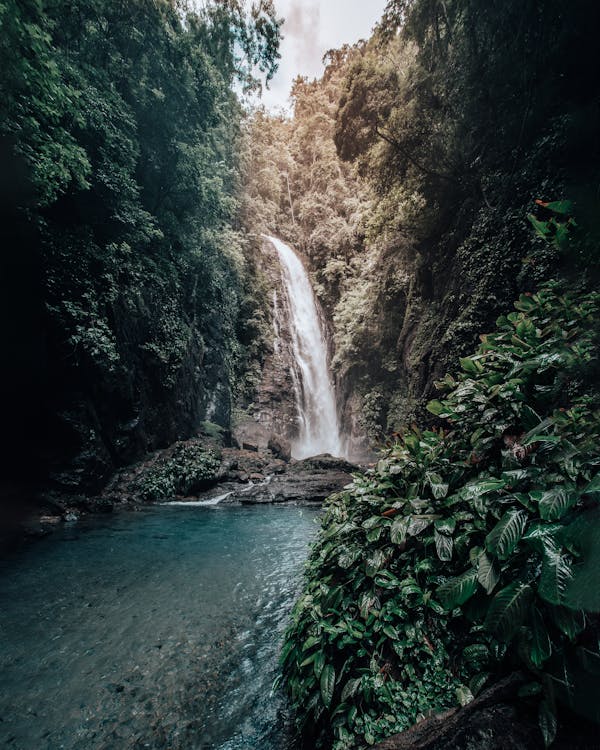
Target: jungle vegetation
(461,556)
(439,170)
(470,551)
(412,165)
(130,309)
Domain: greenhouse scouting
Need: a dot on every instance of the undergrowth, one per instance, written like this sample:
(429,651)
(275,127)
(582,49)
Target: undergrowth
(469,550)
(190,468)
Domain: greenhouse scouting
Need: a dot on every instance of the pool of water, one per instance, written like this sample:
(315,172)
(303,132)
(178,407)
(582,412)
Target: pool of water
(158,629)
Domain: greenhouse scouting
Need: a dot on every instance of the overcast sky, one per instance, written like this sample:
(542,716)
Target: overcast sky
(310,29)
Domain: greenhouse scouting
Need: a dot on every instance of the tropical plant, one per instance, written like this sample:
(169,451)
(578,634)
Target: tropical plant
(470,548)
(190,467)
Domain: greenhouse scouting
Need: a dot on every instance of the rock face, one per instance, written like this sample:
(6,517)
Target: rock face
(101,418)
(255,478)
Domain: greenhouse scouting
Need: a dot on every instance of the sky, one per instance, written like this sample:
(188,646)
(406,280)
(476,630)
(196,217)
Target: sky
(310,29)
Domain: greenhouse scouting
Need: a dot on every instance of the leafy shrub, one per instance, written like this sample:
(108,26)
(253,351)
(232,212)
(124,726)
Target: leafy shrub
(189,469)
(470,549)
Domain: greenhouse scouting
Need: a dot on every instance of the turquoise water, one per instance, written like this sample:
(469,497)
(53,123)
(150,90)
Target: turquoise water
(158,629)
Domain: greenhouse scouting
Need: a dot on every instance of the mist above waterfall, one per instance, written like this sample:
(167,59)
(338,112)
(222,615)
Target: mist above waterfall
(319,430)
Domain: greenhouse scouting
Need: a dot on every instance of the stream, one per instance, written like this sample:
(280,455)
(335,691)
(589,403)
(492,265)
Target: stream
(156,629)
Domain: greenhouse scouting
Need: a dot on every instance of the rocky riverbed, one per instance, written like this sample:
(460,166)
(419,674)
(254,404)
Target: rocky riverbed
(198,471)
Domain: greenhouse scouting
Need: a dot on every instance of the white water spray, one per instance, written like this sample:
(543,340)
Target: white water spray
(315,396)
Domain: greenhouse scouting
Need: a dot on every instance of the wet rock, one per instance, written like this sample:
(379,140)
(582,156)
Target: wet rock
(277,467)
(99,505)
(36,531)
(251,433)
(324,462)
(300,485)
(280,447)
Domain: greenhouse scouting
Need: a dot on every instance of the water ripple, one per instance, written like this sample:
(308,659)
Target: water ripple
(151,630)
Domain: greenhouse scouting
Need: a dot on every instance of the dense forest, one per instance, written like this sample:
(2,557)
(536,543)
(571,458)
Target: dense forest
(412,166)
(129,312)
(441,182)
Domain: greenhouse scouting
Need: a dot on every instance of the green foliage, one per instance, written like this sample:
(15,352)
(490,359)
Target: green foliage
(126,131)
(461,554)
(190,468)
(456,141)
(37,102)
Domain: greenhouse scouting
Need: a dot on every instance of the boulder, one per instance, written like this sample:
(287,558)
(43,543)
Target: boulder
(280,447)
(251,433)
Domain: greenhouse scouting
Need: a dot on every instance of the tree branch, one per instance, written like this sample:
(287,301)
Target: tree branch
(394,144)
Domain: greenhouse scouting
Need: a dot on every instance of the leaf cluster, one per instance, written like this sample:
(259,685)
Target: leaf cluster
(190,468)
(462,554)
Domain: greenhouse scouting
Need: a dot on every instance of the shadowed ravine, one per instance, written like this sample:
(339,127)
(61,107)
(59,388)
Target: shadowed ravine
(159,629)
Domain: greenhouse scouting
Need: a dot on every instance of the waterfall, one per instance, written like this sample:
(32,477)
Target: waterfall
(315,396)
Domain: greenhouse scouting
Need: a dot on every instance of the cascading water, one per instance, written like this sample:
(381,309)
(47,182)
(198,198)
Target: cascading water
(315,396)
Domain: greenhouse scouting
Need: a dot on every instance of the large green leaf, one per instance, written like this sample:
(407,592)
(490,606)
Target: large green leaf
(458,590)
(541,227)
(473,490)
(547,722)
(541,647)
(471,365)
(593,487)
(374,534)
(554,503)
(375,562)
(443,545)
(560,207)
(350,688)
(477,655)
(541,535)
(437,407)
(478,681)
(418,524)
(348,556)
(556,574)
(567,621)
(488,573)
(583,591)
(310,642)
(508,610)
(439,488)
(327,684)
(318,663)
(399,530)
(445,525)
(506,534)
